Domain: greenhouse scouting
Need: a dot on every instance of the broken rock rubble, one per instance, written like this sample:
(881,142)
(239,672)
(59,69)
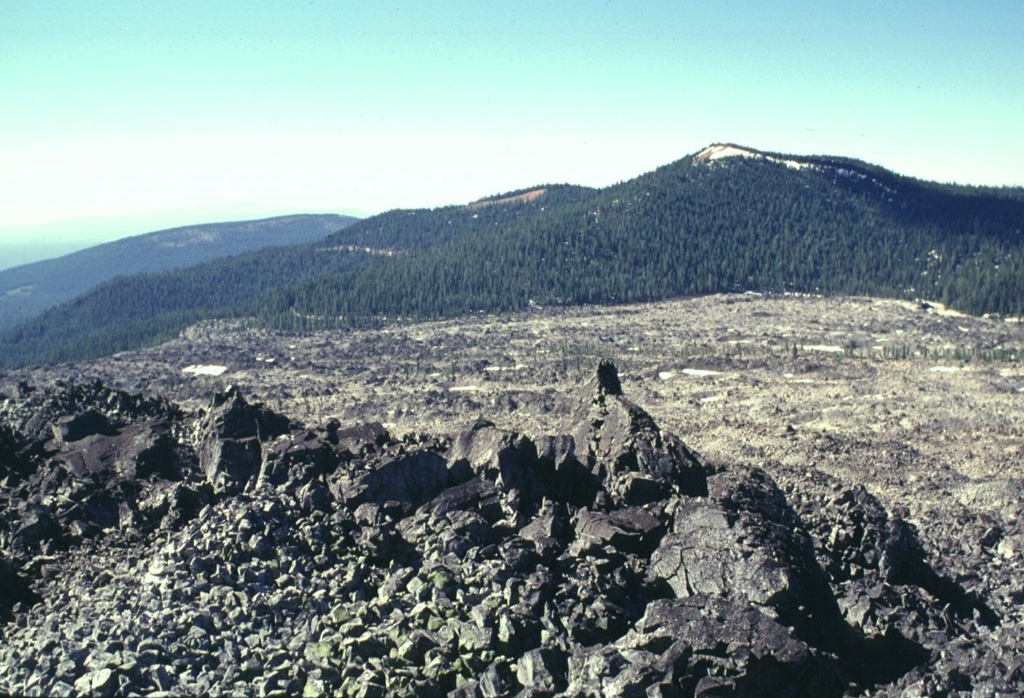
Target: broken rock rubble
(235,552)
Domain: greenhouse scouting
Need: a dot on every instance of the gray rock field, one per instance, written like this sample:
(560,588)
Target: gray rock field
(723,496)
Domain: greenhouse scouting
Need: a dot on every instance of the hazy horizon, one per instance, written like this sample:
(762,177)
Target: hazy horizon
(15,253)
(122,118)
(53,240)
(20,245)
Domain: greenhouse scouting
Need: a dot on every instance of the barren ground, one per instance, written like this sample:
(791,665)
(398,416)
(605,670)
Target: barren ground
(922,405)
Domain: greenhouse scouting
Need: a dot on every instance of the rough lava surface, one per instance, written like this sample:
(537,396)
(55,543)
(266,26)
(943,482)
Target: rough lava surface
(151,548)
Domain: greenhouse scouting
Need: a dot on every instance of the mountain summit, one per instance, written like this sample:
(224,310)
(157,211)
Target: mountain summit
(719,151)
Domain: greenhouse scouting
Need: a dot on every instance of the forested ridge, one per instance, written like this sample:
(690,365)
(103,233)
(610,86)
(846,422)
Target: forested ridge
(28,290)
(687,229)
(770,223)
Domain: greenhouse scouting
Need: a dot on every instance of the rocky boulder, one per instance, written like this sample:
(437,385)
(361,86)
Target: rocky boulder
(357,440)
(410,479)
(231,417)
(744,543)
(141,450)
(705,646)
(37,532)
(629,530)
(230,450)
(78,426)
(15,590)
(297,458)
(15,461)
(622,446)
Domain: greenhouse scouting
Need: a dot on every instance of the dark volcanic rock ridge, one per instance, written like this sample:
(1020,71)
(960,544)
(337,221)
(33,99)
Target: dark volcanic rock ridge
(145,550)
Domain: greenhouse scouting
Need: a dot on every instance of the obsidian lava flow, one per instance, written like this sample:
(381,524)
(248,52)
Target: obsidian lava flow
(149,551)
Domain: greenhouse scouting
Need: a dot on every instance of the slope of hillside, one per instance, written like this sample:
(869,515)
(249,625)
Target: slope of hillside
(29,289)
(725,219)
(763,222)
(145,309)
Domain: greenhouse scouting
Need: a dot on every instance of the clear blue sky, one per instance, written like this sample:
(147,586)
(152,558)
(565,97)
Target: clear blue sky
(122,117)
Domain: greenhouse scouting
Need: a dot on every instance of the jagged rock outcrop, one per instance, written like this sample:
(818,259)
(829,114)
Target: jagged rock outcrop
(231,551)
(230,450)
(632,459)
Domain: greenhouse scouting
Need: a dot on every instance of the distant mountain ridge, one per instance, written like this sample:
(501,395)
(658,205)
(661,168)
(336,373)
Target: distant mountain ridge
(29,289)
(725,219)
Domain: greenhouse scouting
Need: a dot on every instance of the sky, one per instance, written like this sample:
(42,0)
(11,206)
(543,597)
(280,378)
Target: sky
(119,118)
